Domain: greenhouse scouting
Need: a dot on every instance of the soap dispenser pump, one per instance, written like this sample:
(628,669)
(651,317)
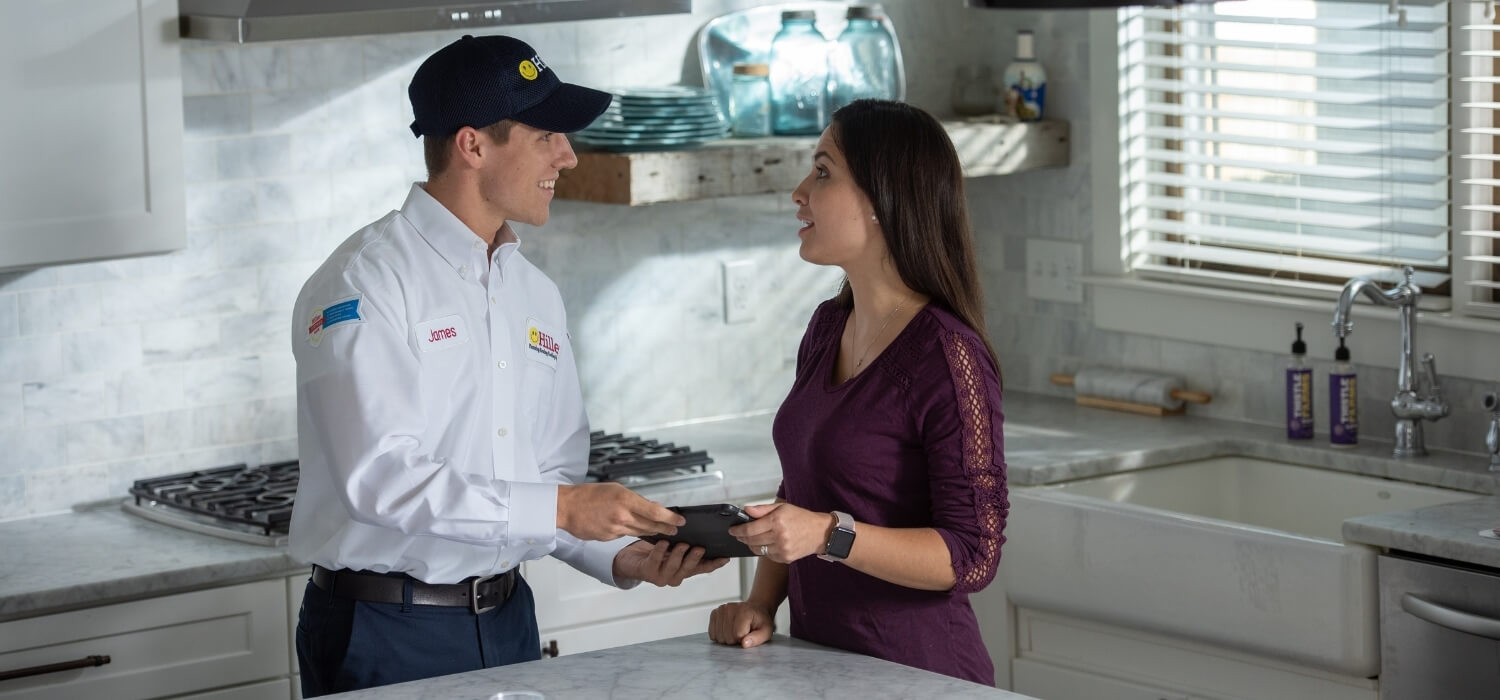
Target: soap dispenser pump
(1299,392)
(1343,401)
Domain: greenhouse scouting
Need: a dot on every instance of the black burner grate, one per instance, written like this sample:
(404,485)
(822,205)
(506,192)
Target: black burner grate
(259,498)
(613,456)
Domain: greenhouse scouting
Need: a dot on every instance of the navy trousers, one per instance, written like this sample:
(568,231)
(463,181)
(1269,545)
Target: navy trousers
(345,645)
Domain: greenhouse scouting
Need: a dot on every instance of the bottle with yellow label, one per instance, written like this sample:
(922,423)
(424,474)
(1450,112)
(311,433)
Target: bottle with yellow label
(1343,401)
(1299,392)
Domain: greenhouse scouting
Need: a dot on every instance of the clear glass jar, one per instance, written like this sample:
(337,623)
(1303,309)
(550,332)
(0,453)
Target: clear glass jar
(862,62)
(750,100)
(799,75)
(974,91)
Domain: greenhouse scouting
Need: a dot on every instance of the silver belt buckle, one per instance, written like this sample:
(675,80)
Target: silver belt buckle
(474,596)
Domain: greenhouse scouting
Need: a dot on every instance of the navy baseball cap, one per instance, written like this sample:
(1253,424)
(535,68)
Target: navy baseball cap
(477,81)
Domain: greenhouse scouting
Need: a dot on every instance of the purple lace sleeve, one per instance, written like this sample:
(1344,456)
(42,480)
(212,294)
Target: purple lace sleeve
(969,489)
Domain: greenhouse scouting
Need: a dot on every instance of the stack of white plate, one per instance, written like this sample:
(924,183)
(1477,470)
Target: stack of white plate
(674,116)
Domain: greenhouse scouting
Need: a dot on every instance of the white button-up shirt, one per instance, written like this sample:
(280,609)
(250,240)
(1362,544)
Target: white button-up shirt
(438,406)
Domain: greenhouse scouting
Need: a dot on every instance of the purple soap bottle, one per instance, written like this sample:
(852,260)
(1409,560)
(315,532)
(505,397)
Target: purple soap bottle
(1343,401)
(1299,392)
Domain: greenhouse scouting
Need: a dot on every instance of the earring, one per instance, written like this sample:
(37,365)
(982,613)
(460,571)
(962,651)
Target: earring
(874,218)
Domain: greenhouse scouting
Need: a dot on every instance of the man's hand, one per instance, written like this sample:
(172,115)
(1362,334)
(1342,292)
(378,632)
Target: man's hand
(663,564)
(742,624)
(608,511)
(787,532)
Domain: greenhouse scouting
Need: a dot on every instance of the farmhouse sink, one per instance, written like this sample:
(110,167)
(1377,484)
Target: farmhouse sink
(1235,551)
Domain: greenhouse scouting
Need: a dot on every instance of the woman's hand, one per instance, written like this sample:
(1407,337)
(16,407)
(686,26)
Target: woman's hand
(783,532)
(742,624)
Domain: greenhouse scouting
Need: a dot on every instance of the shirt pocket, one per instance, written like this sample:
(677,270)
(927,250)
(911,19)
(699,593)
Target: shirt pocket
(536,395)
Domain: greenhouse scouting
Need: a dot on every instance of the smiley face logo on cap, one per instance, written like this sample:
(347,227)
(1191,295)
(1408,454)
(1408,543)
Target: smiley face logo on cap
(528,70)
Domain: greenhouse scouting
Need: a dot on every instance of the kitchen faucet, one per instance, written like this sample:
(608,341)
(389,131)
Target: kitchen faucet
(1408,405)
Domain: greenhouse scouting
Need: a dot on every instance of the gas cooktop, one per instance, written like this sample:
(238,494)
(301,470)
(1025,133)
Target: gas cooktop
(254,504)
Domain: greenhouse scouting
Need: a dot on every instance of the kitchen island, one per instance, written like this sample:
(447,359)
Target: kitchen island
(694,667)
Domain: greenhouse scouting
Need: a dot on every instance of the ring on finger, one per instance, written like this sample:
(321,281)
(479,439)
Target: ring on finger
(764,550)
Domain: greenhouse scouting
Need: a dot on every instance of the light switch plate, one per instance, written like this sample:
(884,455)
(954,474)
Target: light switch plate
(1052,270)
(739,291)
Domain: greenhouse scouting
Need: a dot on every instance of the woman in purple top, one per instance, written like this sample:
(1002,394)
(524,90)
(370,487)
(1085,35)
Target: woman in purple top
(893,500)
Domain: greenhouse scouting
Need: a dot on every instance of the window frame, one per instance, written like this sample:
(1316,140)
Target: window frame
(1121,301)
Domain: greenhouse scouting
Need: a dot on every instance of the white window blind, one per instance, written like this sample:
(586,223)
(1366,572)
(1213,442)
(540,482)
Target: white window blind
(1477,284)
(1287,145)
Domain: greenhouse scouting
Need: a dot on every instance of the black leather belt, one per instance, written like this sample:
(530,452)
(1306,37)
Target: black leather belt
(478,594)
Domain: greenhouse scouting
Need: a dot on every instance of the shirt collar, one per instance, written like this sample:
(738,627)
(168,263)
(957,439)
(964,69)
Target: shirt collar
(450,237)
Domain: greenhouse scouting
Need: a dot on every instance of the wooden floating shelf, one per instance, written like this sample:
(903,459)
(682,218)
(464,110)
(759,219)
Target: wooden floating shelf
(734,167)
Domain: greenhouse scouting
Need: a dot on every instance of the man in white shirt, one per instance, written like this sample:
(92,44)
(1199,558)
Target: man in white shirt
(441,426)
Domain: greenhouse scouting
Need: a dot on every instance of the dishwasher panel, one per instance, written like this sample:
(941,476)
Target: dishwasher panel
(1439,631)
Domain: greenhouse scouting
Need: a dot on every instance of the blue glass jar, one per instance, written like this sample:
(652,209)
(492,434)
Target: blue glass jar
(750,100)
(799,75)
(862,62)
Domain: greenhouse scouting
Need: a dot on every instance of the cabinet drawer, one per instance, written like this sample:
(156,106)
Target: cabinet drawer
(159,646)
(567,598)
(1044,680)
(1187,667)
(645,628)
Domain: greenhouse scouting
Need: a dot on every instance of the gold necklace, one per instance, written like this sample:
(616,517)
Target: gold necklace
(871,344)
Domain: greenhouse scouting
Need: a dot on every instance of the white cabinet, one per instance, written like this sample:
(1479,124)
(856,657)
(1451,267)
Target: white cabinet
(783,613)
(171,645)
(581,614)
(91,162)
(1046,680)
(1059,658)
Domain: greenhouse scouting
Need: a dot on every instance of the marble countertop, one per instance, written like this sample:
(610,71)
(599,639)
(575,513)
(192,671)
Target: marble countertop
(1447,531)
(100,554)
(694,667)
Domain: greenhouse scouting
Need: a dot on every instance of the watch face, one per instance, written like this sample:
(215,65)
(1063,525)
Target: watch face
(839,543)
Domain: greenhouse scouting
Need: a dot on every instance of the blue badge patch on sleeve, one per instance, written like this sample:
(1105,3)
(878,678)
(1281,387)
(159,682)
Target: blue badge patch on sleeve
(342,311)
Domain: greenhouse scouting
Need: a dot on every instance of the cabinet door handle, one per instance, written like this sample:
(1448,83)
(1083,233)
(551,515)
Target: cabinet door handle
(1443,616)
(96,660)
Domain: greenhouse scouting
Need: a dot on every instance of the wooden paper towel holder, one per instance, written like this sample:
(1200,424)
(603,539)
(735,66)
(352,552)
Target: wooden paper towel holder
(1131,406)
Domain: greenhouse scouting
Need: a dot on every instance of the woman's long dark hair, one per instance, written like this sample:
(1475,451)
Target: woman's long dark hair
(903,160)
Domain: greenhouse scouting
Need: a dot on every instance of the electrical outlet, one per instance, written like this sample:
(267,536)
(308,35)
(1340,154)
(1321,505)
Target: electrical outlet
(739,291)
(1052,270)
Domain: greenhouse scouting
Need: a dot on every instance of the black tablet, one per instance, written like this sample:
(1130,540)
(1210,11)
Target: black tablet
(708,527)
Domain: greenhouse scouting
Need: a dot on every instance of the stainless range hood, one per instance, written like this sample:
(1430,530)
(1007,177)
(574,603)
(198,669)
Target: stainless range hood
(273,20)
(1073,4)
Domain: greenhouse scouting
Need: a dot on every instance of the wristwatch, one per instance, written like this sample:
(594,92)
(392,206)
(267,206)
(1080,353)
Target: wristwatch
(841,539)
